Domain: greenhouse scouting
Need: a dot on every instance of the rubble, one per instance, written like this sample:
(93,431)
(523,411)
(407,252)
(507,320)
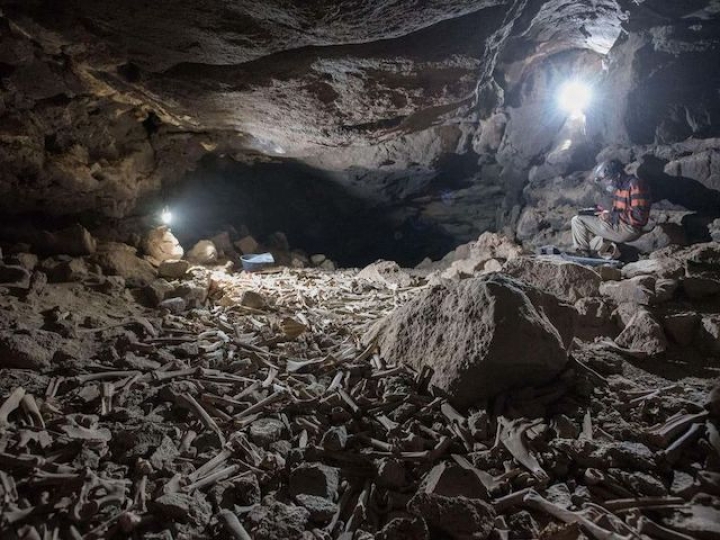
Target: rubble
(258,405)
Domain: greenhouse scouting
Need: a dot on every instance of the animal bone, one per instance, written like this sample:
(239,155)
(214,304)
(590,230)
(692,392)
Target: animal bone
(618,505)
(510,433)
(535,501)
(673,452)
(30,407)
(661,435)
(233,526)
(10,404)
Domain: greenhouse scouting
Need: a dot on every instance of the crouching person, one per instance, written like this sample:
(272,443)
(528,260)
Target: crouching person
(629,214)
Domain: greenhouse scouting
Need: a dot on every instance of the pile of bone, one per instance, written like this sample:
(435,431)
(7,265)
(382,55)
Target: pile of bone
(260,414)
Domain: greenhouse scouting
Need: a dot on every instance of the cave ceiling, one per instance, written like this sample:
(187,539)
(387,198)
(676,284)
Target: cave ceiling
(347,86)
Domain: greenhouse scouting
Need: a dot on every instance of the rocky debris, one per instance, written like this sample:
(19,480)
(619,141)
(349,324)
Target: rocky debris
(247,244)
(173,268)
(160,245)
(469,334)
(387,273)
(276,421)
(203,252)
(567,281)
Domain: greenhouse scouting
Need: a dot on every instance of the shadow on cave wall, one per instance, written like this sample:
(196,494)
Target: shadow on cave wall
(686,192)
(316,215)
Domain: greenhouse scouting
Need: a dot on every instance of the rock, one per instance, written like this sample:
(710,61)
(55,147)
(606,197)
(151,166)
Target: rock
(695,521)
(121,260)
(252,299)
(27,260)
(174,305)
(385,273)
(315,479)
(266,431)
(75,240)
(156,292)
(682,327)
(698,288)
(658,268)
(224,244)
(335,439)
(161,245)
(703,260)
(453,481)
(321,510)
(27,351)
(317,259)
(661,236)
(643,333)
(639,290)
(567,281)
(14,276)
(327,265)
(468,333)
(247,245)
(273,520)
(183,507)
(173,268)
(66,271)
(194,292)
(391,473)
(709,335)
(404,529)
(714,230)
(204,252)
(665,290)
(609,273)
(458,518)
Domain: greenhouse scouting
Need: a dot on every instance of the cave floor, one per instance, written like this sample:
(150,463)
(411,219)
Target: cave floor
(266,401)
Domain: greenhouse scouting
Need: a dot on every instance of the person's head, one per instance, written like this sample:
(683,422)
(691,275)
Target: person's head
(608,172)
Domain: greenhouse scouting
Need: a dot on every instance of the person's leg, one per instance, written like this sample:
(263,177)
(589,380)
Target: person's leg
(585,228)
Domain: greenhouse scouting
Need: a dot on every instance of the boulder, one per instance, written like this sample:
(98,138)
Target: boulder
(481,336)
(155,292)
(161,245)
(386,274)
(204,252)
(75,240)
(643,333)
(697,288)
(317,259)
(638,290)
(65,271)
(682,327)
(27,351)
(315,479)
(662,268)
(327,265)
(568,281)
(247,244)
(457,518)
(173,268)
(121,260)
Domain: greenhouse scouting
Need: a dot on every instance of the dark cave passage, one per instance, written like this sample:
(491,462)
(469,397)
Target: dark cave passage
(316,214)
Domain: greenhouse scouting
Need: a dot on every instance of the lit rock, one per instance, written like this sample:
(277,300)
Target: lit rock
(204,252)
(161,245)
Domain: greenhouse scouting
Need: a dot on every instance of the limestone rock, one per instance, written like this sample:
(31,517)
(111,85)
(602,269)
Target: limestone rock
(386,273)
(272,520)
(481,336)
(204,252)
(73,270)
(327,265)
(183,507)
(317,259)
(698,288)
(156,292)
(161,245)
(567,281)
(173,268)
(643,333)
(252,299)
(321,510)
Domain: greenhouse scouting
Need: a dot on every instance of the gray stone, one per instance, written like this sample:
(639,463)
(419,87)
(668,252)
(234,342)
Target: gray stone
(204,252)
(27,351)
(247,245)
(682,327)
(122,260)
(386,274)
(14,276)
(252,299)
(335,439)
(74,240)
(643,333)
(315,479)
(173,268)
(698,288)
(174,305)
(458,518)
(321,510)
(638,290)
(658,268)
(273,520)
(266,431)
(567,281)
(481,336)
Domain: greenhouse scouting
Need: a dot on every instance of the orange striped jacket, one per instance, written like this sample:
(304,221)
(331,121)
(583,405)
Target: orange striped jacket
(631,201)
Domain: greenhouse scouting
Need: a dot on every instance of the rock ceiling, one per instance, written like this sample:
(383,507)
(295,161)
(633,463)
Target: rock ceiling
(110,100)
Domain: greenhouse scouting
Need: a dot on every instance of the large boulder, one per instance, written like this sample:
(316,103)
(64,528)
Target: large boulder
(73,240)
(643,333)
(481,336)
(121,260)
(638,290)
(568,281)
(161,245)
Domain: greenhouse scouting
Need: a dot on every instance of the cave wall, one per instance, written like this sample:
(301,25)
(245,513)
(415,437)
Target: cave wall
(441,116)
